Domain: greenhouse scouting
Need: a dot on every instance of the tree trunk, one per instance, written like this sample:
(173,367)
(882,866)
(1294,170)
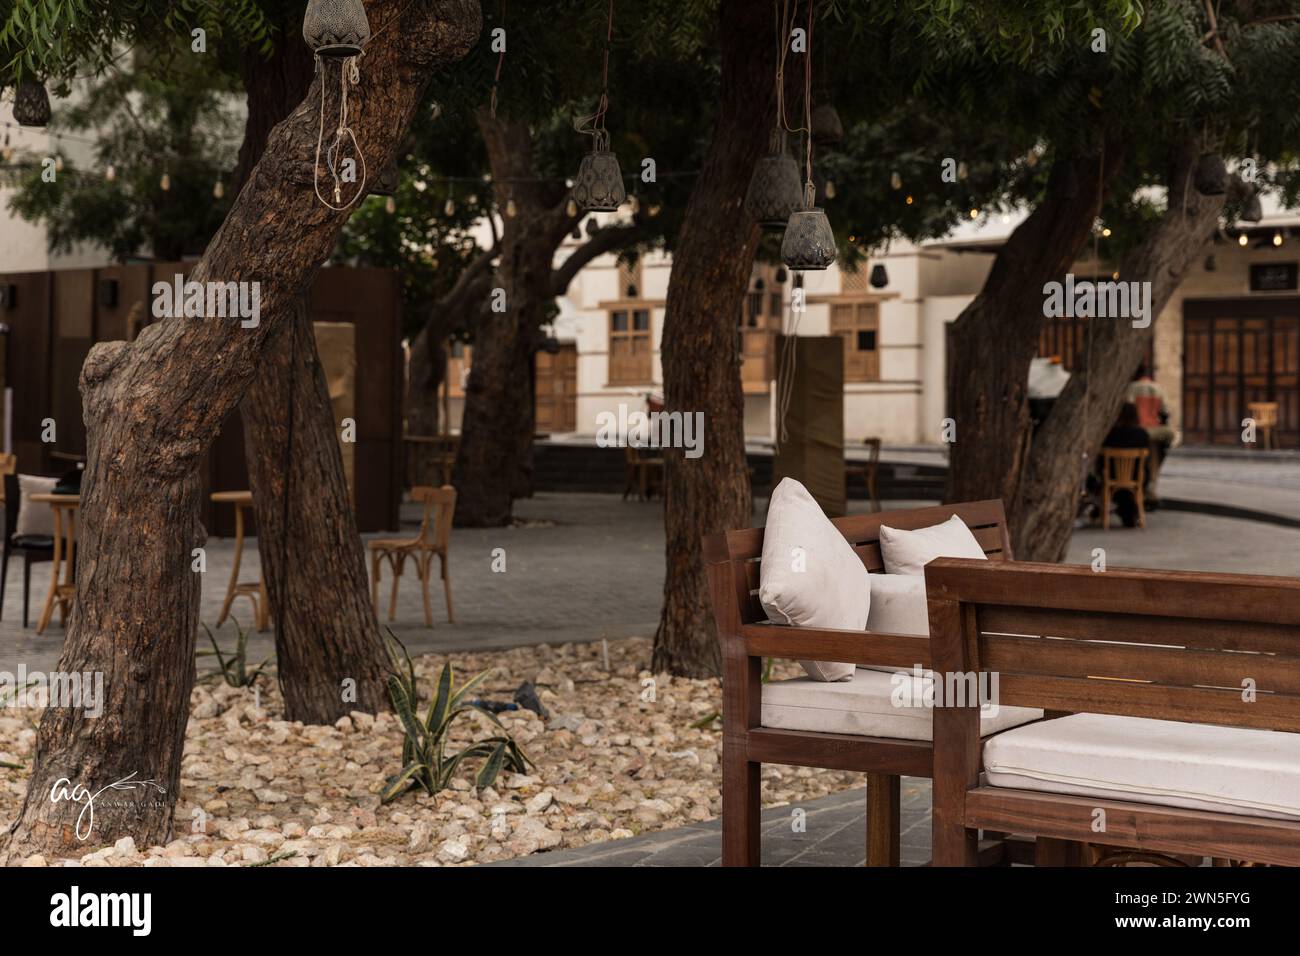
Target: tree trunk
(711,269)
(1085,411)
(493,463)
(152,407)
(424,379)
(991,344)
(326,631)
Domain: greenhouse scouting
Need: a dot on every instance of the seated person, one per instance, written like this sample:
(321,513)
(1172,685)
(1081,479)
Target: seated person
(1126,433)
(1153,415)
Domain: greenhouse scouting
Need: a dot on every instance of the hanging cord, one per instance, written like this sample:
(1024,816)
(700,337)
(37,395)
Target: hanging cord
(785,373)
(594,125)
(501,59)
(349,75)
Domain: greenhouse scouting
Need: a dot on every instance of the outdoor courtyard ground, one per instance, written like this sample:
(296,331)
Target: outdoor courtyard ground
(580,567)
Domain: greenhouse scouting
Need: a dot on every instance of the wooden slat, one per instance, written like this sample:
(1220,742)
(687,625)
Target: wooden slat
(1161,665)
(1183,594)
(1158,701)
(1146,827)
(840,752)
(1143,628)
(864,529)
(824,644)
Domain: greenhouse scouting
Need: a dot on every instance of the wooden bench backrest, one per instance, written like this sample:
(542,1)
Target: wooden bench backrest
(1171,645)
(744,549)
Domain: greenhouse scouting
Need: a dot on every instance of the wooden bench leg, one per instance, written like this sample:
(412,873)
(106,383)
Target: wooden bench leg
(740,806)
(1049,851)
(883,818)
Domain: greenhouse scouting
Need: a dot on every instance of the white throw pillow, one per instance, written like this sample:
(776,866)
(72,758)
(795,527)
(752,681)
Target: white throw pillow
(35,518)
(908,552)
(810,576)
(898,606)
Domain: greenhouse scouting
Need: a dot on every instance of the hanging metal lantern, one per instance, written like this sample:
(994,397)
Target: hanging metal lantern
(827,130)
(386,182)
(598,187)
(809,242)
(1211,175)
(32,104)
(1253,211)
(774,191)
(879,277)
(335,28)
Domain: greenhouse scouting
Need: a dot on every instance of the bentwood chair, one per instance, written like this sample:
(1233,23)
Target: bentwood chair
(1123,469)
(433,540)
(867,470)
(1264,415)
(34,548)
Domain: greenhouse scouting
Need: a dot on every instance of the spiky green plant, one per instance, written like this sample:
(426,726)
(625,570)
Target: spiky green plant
(425,762)
(234,670)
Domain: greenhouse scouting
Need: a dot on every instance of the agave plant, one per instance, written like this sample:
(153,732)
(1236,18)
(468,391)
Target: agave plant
(234,670)
(425,761)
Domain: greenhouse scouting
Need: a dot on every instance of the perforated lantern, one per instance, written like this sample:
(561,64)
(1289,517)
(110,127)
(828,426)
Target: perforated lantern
(809,242)
(32,104)
(827,130)
(335,28)
(1211,175)
(879,277)
(774,191)
(598,187)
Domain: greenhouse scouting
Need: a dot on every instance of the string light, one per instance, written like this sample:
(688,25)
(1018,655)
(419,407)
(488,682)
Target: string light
(449,208)
(1277,238)
(218,190)
(511,209)
(571,208)
(165,183)
(974,213)
(830,189)
(110,173)
(909,200)
(895,180)
(1243,240)
(1106,232)
(58,163)
(390,205)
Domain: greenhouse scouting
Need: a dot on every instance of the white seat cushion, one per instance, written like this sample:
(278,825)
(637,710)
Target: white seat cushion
(867,706)
(1195,766)
(810,576)
(34,518)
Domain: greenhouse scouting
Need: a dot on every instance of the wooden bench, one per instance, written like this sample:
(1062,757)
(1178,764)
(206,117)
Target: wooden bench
(1169,645)
(733,560)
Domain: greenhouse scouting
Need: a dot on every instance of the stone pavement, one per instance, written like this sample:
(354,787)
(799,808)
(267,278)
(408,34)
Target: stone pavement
(833,834)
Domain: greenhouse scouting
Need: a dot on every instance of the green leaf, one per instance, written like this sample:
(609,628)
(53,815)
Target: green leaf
(402,706)
(487,774)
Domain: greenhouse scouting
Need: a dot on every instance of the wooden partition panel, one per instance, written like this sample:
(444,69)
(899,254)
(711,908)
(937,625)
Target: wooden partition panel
(29,365)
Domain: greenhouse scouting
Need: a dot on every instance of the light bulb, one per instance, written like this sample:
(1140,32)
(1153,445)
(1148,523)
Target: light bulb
(830,189)
(449,208)
(218,190)
(511,209)
(962,171)
(1106,232)
(58,164)
(895,180)
(654,210)
(909,200)
(110,173)
(391,205)
(1277,238)
(974,213)
(165,183)
(1242,240)
(571,209)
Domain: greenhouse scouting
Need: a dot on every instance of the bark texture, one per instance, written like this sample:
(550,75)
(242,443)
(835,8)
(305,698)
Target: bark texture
(992,342)
(318,589)
(327,630)
(711,268)
(1043,517)
(151,408)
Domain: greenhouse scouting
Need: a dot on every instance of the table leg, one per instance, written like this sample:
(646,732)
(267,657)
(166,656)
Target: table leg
(55,564)
(234,571)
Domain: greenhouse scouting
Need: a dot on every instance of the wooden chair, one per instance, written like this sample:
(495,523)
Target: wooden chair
(1265,417)
(867,470)
(645,474)
(1123,469)
(1167,645)
(433,539)
(733,561)
(34,548)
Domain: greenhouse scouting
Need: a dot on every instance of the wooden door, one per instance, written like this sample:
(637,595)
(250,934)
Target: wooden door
(557,390)
(1238,351)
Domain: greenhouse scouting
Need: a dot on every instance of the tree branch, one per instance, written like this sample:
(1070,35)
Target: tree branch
(608,239)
